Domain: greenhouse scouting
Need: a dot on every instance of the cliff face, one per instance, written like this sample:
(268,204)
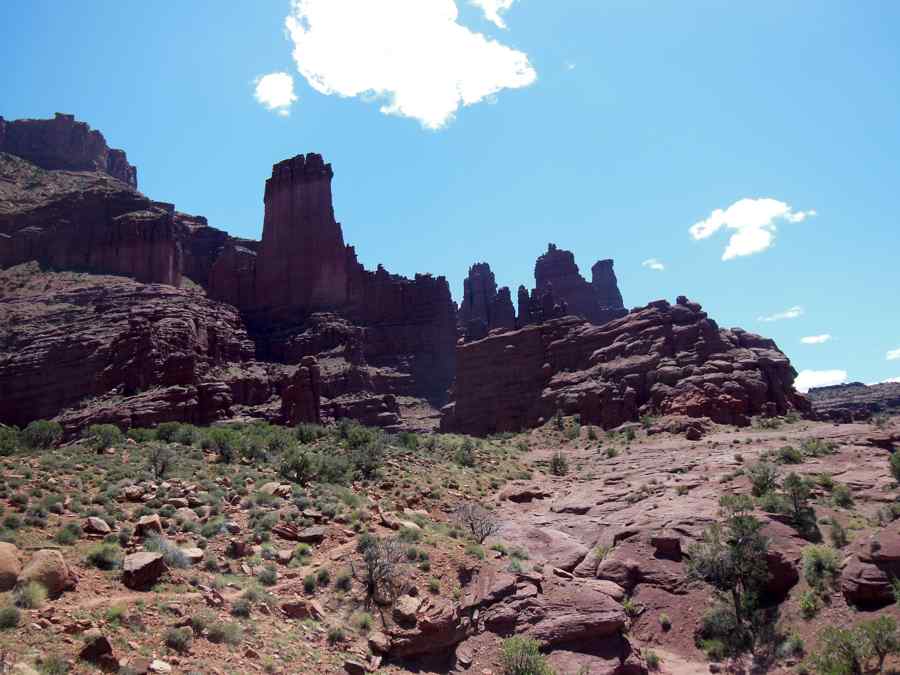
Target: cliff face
(660,359)
(63,143)
(84,221)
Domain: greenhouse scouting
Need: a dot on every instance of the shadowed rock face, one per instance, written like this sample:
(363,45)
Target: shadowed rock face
(598,301)
(660,359)
(63,143)
(484,308)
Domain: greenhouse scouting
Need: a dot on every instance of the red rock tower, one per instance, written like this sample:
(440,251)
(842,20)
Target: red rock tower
(302,263)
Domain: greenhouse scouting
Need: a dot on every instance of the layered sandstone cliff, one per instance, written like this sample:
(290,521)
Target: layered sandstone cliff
(659,359)
(63,143)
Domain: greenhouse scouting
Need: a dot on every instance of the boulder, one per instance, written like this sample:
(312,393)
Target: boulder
(94,525)
(147,525)
(48,568)
(300,608)
(10,566)
(141,570)
(405,609)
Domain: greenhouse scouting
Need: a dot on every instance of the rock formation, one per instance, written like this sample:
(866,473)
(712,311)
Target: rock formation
(484,307)
(63,143)
(855,401)
(659,359)
(598,301)
(84,221)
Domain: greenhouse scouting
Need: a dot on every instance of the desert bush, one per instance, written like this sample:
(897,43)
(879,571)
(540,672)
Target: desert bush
(179,639)
(309,433)
(809,604)
(171,553)
(68,534)
(559,465)
(816,447)
(9,617)
(382,568)
(32,595)
(464,455)
(522,656)
(41,435)
(821,566)
(894,463)
(99,437)
(104,556)
(651,658)
(160,458)
(335,635)
(789,455)
(9,440)
(333,468)
(842,496)
(366,457)
(227,632)
(477,520)
(298,465)
(268,575)
(763,478)
(224,442)
(838,534)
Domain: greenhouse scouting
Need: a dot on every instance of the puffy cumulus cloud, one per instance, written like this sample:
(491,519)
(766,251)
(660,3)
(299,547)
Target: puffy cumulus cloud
(653,264)
(493,9)
(807,379)
(816,339)
(412,54)
(791,313)
(754,224)
(276,92)
(894,354)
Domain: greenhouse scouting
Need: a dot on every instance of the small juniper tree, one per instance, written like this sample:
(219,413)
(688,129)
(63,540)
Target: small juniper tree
(732,556)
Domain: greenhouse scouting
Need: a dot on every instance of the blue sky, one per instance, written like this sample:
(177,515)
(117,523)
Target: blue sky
(616,127)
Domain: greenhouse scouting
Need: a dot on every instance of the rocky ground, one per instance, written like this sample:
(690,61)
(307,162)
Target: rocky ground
(258,563)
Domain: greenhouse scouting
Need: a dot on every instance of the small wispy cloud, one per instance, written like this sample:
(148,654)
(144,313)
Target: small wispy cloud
(493,9)
(653,264)
(754,224)
(807,379)
(570,65)
(816,339)
(791,313)
(894,354)
(275,91)
(890,380)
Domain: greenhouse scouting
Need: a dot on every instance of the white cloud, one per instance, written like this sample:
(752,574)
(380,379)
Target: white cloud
(570,65)
(791,313)
(653,264)
(887,381)
(276,92)
(411,54)
(816,339)
(807,379)
(894,354)
(492,9)
(753,222)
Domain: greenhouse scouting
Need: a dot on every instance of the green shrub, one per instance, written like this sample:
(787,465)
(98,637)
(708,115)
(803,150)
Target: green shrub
(179,639)
(522,656)
(41,435)
(343,581)
(894,463)
(665,622)
(9,617)
(309,433)
(30,596)
(333,468)
(104,556)
(298,466)
(366,458)
(816,447)
(763,478)
(172,554)
(789,455)
(309,583)
(224,442)
(809,604)
(99,437)
(559,465)
(842,496)
(464,455)
(268,575)
(226,632)
(651,658)
(821,566)
(241,607)
(9,440)
(720,633)
(838,534)
(335,635)
(68,534)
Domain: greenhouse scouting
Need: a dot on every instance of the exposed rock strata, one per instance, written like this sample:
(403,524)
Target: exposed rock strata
(63,143)
(855,401)
(660,359)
